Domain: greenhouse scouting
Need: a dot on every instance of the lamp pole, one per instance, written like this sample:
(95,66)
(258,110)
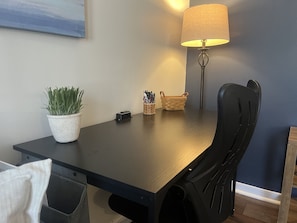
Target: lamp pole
(203,60)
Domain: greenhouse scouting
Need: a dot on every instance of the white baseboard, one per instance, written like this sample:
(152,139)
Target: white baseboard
(258,193)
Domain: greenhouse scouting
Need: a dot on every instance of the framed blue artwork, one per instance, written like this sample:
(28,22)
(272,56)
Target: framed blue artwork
(63,17)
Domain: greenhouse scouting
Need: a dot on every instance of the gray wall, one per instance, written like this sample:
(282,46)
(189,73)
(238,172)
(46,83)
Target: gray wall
(263,46)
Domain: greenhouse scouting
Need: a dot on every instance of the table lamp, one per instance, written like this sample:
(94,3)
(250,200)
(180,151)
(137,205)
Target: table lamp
(203,26)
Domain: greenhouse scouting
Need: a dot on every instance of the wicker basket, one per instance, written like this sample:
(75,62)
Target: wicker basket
(149,109)
(174,102)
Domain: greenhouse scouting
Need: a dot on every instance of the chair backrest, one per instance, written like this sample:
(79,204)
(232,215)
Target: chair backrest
(209,186)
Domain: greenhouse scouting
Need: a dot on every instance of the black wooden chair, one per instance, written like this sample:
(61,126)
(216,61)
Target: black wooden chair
(206,193)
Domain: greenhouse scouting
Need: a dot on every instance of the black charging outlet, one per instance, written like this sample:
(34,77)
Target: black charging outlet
(123,116)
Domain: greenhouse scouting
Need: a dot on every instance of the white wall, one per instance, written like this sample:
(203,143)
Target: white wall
(130,46)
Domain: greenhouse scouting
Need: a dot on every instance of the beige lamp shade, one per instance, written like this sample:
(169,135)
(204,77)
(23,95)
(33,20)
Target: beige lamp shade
(208,23)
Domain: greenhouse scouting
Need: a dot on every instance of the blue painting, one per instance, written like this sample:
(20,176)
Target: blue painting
(63,17)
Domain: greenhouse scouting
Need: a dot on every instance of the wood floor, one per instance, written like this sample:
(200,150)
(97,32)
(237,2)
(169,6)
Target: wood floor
(248,210)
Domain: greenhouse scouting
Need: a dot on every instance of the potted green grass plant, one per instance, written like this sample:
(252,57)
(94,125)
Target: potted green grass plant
(64,107)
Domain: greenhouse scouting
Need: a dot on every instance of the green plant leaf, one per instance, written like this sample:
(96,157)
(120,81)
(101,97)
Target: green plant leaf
(64,100)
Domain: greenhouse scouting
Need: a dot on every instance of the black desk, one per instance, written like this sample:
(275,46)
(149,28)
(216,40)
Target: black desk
(138,159)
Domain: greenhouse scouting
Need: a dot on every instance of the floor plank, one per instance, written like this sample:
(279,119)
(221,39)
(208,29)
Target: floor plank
(249,210)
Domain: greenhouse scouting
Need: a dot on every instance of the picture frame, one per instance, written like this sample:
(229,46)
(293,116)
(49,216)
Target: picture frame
(62,17)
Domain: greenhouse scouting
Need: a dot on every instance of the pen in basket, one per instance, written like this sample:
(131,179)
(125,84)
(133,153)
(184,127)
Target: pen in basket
(148,97)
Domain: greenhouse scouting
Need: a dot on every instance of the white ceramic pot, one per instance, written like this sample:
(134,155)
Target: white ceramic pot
(65,128)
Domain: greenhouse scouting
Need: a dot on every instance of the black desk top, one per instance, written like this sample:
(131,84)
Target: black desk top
(145,152)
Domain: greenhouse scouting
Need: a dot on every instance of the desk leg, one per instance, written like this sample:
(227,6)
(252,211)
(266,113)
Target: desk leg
(153,212)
